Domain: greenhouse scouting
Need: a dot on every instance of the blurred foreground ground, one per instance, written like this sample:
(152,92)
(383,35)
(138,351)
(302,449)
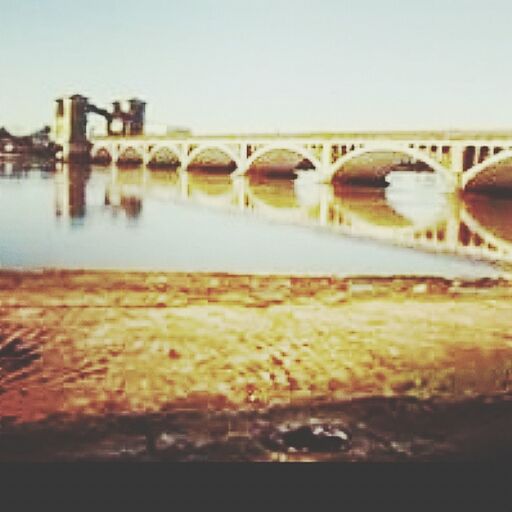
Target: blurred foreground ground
(151,366)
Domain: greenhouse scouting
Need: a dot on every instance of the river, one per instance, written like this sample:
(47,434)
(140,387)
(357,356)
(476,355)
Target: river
(107,217)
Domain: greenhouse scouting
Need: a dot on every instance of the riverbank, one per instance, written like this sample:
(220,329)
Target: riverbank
(103,347)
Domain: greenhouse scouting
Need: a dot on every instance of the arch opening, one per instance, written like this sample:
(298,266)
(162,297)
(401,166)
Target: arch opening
(280,162)
(211,159)
(377,167)
(162,158)
(130,157)
(102,156)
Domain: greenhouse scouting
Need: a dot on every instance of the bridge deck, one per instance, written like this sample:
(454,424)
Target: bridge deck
(448,136)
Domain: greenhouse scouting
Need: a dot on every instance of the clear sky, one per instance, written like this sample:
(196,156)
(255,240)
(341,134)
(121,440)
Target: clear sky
(263,65)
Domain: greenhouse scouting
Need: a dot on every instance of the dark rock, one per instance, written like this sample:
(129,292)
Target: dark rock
(309,438)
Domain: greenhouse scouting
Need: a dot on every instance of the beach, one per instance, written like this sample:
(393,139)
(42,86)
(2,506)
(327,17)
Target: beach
(224,365)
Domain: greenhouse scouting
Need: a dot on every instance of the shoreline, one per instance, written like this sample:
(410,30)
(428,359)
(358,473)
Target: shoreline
(378,429)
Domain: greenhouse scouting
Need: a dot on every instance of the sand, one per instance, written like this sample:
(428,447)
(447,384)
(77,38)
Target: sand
(92,344)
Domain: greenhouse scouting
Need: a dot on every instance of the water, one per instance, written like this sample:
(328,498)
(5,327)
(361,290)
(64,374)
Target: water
(97,217)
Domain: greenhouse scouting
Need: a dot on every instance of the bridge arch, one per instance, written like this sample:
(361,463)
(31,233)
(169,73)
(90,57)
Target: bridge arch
(102,152)
(416,154)
(292,148)
(130,152)
(162,148)
(478,169)
(222,148)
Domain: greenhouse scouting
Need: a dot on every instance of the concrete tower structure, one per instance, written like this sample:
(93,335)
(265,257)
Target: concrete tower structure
(70,129)
(136,117)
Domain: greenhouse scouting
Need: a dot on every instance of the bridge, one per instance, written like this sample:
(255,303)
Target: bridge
(467,164)
(473,163)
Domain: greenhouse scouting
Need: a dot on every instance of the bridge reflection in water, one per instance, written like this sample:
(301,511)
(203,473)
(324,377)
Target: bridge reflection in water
(420,217)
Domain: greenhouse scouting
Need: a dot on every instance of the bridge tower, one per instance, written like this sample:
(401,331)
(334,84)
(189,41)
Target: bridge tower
(136,120)
(128,122)
(70,130)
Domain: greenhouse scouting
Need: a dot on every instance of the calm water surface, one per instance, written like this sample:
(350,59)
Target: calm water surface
(100,217)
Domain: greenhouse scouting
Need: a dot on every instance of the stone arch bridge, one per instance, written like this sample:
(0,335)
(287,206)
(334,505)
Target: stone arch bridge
(462,164)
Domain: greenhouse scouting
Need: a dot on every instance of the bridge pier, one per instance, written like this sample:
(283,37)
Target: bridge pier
(146,156)
(326,199)
(240,191)
(183,183)
(240,170)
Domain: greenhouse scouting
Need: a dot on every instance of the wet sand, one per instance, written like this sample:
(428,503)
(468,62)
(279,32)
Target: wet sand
(150,366)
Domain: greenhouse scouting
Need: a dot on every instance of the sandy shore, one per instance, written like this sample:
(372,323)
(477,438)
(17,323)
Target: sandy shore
(77,345)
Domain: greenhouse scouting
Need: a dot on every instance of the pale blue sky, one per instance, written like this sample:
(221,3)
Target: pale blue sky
(263,65)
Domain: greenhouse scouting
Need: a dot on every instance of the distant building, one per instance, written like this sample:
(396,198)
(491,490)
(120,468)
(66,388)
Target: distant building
(127,117)
(37,143)
(178,132)
(164,130)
